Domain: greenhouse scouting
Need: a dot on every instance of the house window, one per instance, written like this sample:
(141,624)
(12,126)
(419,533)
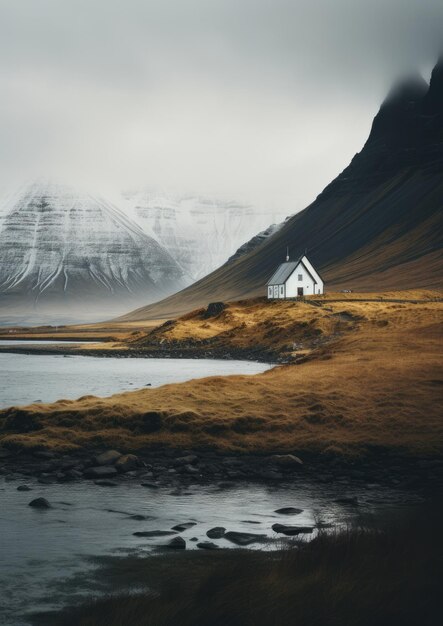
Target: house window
(282,291)
(300,277)
(275,291)
(270,292)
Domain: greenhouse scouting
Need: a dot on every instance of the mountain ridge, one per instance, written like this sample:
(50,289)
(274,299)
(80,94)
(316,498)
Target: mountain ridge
(67,250)
(377,226)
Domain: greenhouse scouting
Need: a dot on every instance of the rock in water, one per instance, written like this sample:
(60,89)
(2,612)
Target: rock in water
(216,533)
(288,510)
(154,533)
(292,530)
(181,527)
(40,503)
(178,543)
(243,539)
(207,545)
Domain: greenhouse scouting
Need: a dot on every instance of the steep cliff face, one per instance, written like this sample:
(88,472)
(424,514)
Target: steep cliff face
(377,226)
(200,233)
(68,253)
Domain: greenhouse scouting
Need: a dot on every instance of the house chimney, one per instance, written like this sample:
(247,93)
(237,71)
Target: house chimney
(287,254)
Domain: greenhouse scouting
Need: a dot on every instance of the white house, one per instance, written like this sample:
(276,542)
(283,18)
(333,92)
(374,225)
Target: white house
(293,279)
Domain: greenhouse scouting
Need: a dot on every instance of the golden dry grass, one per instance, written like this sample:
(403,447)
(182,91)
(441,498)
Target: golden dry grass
(375,379)
(110,334)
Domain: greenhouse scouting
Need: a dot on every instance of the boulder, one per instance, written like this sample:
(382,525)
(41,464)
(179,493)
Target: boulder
(23,488)
(216,533)
(292,530)
(154,533)
(127,463)
(102,471)
(40,503)
(177,543)
(181,527)
(288,510)
(243,539)
(207,545)
(214,309)
(286,460)
(107,458)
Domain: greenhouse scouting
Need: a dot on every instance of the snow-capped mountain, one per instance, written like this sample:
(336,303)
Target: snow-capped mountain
(200,233)
(66,251)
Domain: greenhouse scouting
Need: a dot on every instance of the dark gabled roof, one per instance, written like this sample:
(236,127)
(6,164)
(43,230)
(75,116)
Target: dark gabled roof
(283,272)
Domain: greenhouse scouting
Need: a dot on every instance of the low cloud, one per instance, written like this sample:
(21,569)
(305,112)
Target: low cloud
(262,100)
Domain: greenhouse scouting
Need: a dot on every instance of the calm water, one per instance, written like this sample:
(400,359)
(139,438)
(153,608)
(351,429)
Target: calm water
(45,378)
(43,549)
(45,555)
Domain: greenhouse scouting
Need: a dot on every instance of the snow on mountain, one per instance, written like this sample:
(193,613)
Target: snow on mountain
(200,233)
(256,241)
(66,250)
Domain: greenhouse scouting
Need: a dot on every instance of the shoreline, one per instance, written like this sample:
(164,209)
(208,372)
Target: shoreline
(353,383)
(164,467)
(258,355)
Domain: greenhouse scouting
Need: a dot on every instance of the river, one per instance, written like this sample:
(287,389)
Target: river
(47,377)
(46,554)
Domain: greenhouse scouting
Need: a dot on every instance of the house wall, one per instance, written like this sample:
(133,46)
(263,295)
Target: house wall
(292,284)
(276,292)
(290,288)
(319,288)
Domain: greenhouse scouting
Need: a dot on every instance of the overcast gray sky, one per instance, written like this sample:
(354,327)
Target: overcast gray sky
(260,100)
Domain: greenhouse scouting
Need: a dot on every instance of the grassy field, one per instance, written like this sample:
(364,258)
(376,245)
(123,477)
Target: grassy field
(110,332)
(385,577)
(371,377)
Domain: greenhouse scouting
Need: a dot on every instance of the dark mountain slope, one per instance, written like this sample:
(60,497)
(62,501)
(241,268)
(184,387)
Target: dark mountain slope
(377,226)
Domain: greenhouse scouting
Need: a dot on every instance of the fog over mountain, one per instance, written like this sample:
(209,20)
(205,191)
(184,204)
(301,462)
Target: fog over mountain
(260,101)
(67,255)
(199,232)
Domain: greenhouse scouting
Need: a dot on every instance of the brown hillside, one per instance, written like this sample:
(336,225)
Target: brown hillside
(374,379)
